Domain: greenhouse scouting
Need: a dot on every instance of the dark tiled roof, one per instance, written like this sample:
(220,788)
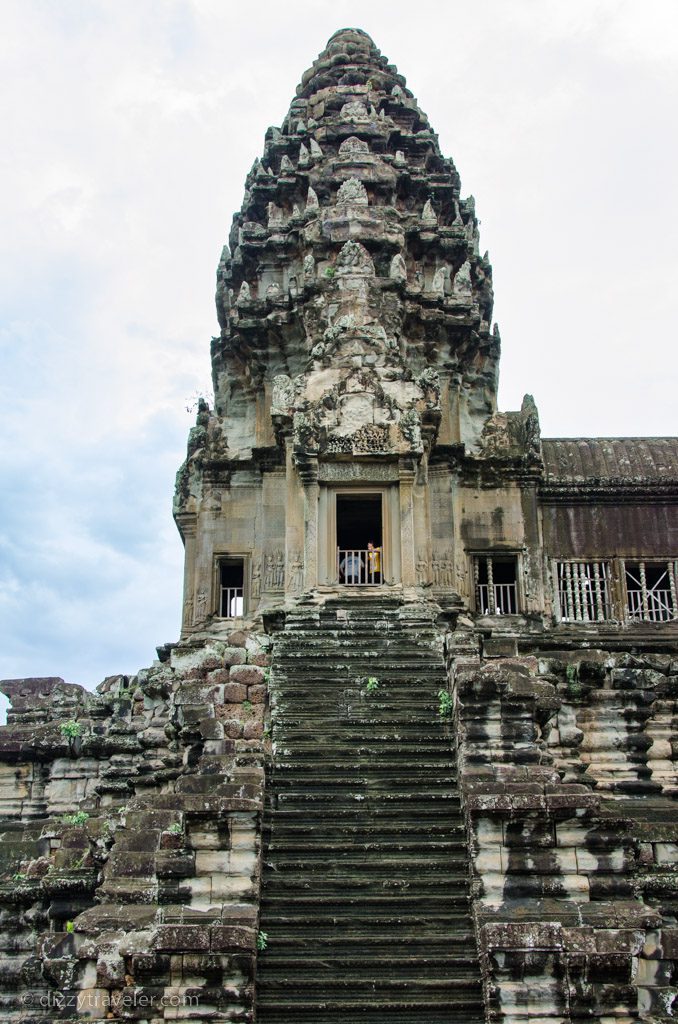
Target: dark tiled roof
(635,460)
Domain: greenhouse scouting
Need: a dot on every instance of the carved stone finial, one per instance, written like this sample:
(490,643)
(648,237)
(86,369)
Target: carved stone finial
(311,199)
(530,423)
(354,111)
(429,217)
(463,286)
(304,156)
(316,151)
(398,270)
(353,146)
(352,193)
(275,215)
(286,165)
(244,295)
(309,266)
(354,257)
(438,283)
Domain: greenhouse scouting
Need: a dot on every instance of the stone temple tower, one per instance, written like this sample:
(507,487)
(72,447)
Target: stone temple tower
(414,756)
(355,373)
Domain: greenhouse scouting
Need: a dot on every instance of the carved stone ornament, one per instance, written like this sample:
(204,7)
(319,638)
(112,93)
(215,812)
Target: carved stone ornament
(309,266)
(354,258)
(305,438)
(428,215)
(429,382)
(295,574)
(438,283)
(410,428)
(353,146)
(352,193)
(282,399)
(354,111)
(462,281)
(274,570)
(398,270)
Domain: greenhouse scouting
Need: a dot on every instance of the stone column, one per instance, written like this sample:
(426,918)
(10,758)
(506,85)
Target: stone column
(309,477)
(187,523)
(406,473)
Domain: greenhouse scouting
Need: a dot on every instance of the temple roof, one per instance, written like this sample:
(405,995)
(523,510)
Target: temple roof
(636,459)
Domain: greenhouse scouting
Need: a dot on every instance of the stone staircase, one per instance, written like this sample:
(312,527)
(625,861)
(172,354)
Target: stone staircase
(365,901)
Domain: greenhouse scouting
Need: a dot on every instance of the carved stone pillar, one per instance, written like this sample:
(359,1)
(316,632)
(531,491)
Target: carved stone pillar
(406,473)
(309,476)
(187,523)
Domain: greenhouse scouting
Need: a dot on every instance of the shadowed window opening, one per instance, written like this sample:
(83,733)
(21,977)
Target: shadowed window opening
(496,584)
(584,591)
(651,591)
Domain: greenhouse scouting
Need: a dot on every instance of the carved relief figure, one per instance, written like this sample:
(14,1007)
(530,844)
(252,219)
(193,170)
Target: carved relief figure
(255,585)
(296,573)
(201,606)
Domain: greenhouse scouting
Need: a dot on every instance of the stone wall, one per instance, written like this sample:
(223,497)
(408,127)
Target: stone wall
(130,840)
(568,760)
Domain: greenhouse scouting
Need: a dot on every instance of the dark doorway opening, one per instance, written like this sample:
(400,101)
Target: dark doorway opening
(231,587)
(359,539)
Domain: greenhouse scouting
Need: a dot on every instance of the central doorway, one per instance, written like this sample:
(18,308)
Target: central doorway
(360,538)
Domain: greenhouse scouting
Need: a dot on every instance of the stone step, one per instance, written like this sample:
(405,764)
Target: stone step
(388,1006)
(411,749)
(292,939)
(339,970)
(301,831)
(364,886)
(427,908)
(380,816)
(360,732)
(428,796)
(378,860)
(310,847)
(363,781)
(365,889)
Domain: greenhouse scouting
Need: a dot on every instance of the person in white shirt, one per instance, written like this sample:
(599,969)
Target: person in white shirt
(351,567)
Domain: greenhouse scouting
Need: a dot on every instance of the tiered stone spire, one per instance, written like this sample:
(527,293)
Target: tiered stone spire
(353,267)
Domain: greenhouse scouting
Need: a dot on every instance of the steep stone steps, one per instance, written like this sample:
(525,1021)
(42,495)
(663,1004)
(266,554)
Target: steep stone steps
(365,899)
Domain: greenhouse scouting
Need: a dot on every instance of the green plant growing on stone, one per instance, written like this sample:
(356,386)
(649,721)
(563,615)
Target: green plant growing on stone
(70,927)
(262,941)
(247,708)
(330,271)
(444,703)
(71,729)
(572,676)
(267,675)
(79,818)
(372,685)
(19,876)
(175,829)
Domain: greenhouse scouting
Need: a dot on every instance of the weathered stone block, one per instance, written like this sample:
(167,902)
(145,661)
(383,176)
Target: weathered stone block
(235,693)
(229,937)
(247,675)
(181,936)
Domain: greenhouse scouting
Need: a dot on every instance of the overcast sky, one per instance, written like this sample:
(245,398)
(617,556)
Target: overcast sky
(127,129)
